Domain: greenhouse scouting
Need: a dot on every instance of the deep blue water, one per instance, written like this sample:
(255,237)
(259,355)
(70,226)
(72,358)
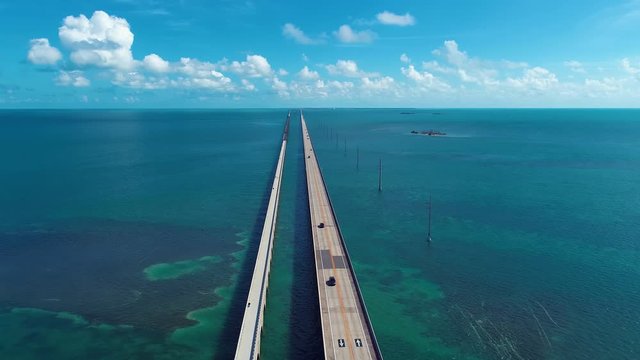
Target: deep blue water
(536,217)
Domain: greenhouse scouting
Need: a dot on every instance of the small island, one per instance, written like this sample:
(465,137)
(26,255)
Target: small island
(428,132)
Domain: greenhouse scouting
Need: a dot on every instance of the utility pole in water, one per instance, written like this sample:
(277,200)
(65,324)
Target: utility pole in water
(380,176)
(429,232)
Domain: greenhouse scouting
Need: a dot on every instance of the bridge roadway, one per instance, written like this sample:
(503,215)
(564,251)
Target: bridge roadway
(346,329)
(248,346)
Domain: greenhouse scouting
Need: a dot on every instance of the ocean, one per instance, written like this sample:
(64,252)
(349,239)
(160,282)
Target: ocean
(130,234)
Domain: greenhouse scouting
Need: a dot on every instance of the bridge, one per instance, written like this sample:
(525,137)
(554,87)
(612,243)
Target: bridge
(346,328)
(248,346)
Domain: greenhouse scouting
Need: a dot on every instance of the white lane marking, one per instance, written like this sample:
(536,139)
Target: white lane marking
(309,185)
(325,197)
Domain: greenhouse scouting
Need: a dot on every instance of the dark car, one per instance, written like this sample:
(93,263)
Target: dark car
(321,226)
(331,281)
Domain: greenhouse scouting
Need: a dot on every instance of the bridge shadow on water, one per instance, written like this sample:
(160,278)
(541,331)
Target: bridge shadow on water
(305,326)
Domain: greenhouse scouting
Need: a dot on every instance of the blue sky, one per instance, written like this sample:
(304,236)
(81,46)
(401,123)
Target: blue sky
(258,53)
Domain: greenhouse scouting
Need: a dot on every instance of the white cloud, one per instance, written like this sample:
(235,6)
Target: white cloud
(345,68)
(537,78)
(103,40)
(306,74)
(254,66)
(383,83)
(72,78)
(451,76)
(626,65)
(575,66)
(347,35)
(452,53)
(41,53)
(425,79)
(278,84)
(436,67)
(195,67)
(293,32)
(595,87)
(342,87)
(137,80)
(389,18)
(468,69)
(187,73)
(155,63)
(217,82)
(247,85)
(348,68)
(321,89)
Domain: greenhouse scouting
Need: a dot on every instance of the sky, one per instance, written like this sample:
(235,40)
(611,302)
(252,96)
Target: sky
(276,53)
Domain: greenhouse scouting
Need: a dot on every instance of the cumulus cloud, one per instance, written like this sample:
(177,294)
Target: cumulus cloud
(281,87)
(137,80)
(254,66)
(214,81)
(195,68)
(186,73)
(155,63)
(72,78)
(306,74)
(452,53)
(307,89)
(105,42)
(41,53)
(608,86)
(217,82)
(574,66)
(468,69)
(278,84)
(628,67)
(389,18)
(347,35)
(537,79)
(383,83)
(348,68)
(321,89)
(435,66)
(201,74)
(247,85)
(425,79)
(102,40)
(341,86)
(296,34)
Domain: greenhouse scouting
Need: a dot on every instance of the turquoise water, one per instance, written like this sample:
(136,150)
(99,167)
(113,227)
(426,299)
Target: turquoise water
(130,234)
